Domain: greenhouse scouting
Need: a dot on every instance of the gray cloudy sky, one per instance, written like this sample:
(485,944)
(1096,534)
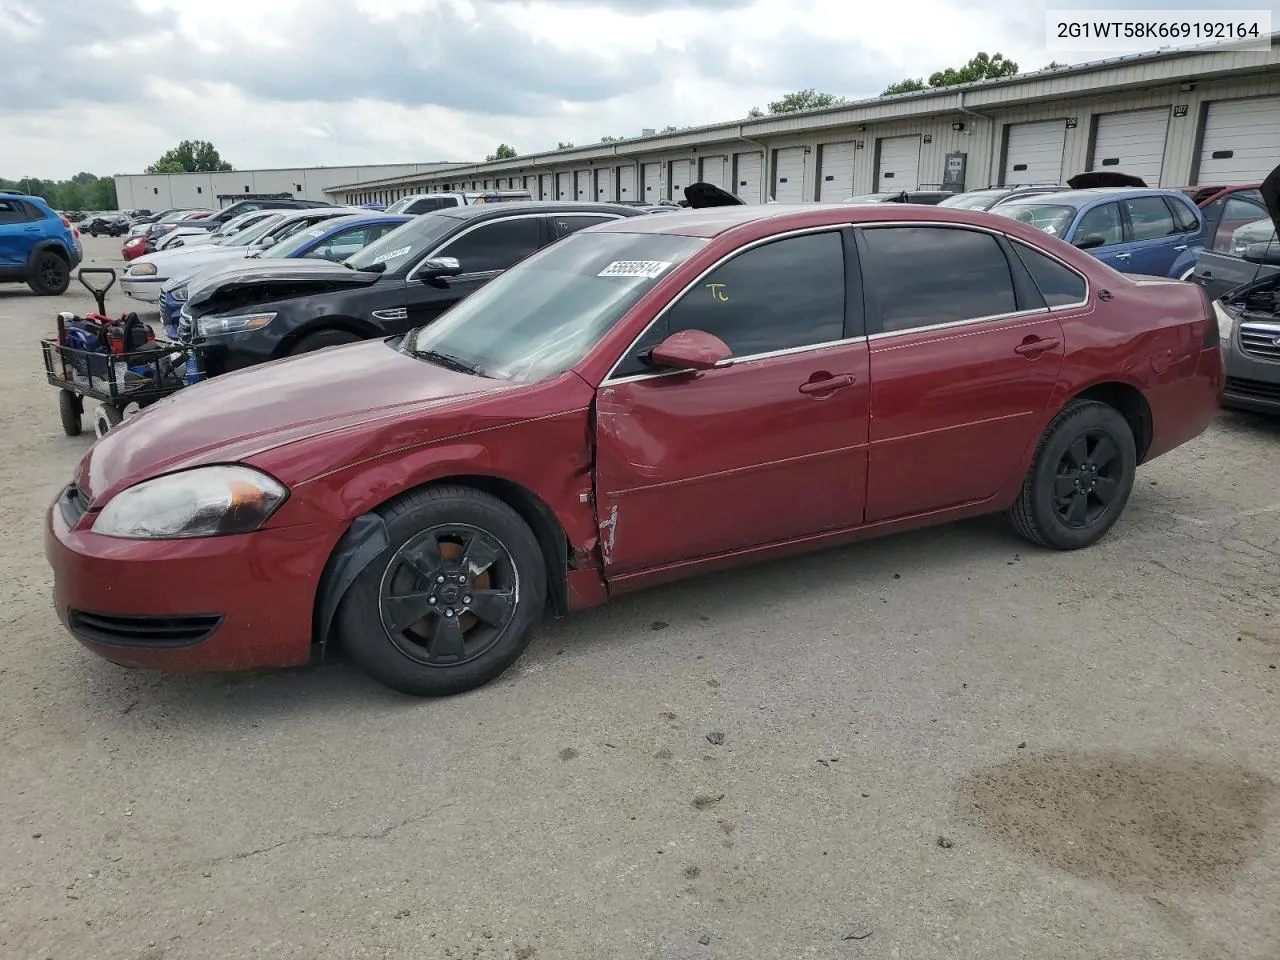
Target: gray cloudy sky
(109,85)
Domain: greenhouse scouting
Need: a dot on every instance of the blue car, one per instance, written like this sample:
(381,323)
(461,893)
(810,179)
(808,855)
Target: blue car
(38,247)
(1131,229)
(333,240)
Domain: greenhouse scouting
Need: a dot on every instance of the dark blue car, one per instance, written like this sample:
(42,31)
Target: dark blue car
(1131,229)
(333,240)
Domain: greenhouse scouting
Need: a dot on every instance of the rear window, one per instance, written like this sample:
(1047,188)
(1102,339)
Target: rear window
(971,201)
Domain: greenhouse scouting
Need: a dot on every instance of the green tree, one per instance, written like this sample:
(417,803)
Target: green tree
(608,139)
(84,191)
(981,67)
(504,152)
(903,86)
(1054,65)
(564,145)
(190,156)
(798,100)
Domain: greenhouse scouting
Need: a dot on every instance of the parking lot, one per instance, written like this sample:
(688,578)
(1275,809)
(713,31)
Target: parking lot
(946,744)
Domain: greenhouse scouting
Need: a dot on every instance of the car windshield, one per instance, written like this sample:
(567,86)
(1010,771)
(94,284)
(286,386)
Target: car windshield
(971,201)
(404,244)
(542,316)
(257,231)
(296,241)
(401,204)
(1052,218)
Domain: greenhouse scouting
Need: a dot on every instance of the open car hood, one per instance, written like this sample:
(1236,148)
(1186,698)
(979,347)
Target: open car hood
(261,281)
(1104,178)
(1271,196)
(701,195)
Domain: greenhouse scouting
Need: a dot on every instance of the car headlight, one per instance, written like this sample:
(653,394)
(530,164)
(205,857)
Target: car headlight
(1226,322)
(220,326)
(142,270)
(179,293)
(203,502)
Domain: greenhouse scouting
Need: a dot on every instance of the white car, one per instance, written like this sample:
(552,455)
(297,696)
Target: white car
(196,237)
(145,276)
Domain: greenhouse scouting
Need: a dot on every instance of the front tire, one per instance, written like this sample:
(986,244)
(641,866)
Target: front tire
(52,275)
(1080,479)
(452,601)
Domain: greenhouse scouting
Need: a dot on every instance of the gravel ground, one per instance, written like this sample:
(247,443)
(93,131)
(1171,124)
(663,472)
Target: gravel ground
(947,744)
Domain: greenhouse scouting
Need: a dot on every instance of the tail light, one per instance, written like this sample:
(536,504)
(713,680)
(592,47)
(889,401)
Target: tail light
(67,223)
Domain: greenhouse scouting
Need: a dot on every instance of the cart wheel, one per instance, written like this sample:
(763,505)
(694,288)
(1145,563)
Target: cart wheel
(104,418)
(70,409)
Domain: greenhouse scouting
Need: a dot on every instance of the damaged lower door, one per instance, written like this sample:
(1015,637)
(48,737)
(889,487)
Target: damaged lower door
(766,450)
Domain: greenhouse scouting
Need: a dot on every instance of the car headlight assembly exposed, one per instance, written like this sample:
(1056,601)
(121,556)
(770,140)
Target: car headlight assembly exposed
(179,293)
(1226,322)
(142,270)
(202,502)
(241,323)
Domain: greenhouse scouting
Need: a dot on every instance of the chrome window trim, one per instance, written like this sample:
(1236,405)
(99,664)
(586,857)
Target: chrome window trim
(439,248)
(609,378)
(953,324)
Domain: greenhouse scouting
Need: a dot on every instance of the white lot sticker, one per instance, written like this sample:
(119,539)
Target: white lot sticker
(646,269)
(398,252)
(317,232)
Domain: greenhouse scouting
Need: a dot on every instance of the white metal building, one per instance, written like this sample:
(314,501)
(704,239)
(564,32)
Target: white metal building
(1175,118)
(160,191)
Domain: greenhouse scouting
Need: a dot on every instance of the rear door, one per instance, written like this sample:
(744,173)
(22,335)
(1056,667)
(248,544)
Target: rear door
(1155,238)
(484,249)
(964,357)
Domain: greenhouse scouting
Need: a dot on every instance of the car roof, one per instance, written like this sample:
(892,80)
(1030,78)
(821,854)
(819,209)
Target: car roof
(481,211)
(369,216)
(1082,198)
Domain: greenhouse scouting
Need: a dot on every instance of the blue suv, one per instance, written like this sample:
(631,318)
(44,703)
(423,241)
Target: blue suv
(37,246)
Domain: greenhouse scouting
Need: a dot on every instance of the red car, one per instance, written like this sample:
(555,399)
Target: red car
(640,402)
(134,247)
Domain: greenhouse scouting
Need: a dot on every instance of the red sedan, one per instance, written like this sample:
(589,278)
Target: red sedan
(134,247)
(643,401)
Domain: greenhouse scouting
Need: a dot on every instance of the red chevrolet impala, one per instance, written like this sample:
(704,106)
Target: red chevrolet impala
(645,400)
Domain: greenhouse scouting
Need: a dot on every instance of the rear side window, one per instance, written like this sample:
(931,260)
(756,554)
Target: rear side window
(1182,215)
(924,276)
(1150,218)
(1059,285)
(427,204)
(13,211)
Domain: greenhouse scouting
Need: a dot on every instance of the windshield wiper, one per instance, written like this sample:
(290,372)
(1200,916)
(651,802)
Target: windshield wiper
(447,361)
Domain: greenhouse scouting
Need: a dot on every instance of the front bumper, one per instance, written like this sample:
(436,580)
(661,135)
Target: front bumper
(1252,384)
(212,604)
(142,288)
(239,350)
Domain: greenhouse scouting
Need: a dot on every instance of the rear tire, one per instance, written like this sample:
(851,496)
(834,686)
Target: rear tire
(1080,478)
(70,410)
(52,274)
(453,600)
(322,339)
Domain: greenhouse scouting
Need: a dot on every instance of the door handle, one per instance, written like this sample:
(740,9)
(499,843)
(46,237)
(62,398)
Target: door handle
(828,385)
(1033,348)
(1123,256)
(31,229)
(1180,247)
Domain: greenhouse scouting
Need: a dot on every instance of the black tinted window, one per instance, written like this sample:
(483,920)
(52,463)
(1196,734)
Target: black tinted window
(1058,284)
(495,246)
(929,275)
(580,221)
(427,204)
(789,293)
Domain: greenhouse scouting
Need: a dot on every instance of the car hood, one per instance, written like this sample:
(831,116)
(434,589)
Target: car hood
(1104,178)
(1271,196)
(702,195)
(260,281)
(188,258)
(240,415)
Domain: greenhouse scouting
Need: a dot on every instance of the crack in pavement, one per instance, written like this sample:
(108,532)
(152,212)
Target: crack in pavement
(334,835)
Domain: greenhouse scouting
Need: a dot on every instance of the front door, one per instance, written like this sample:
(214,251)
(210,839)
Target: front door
(768,448)
(964,359)
(485,250)
(1106,222)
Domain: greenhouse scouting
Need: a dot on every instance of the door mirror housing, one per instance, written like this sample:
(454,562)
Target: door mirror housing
(1091,241)
(690,350)
(265,242)
(437,268)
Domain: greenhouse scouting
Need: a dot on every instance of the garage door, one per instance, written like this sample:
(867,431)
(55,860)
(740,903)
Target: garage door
(564,186)
(546,189)
(835,171)
(1033,152)
(652,182)
(627,183)
(747,178)
(582,187)
(604,184)
(680,177)
(788,175)
(1131,142)
(1241,141)
(898,166)
(715,170)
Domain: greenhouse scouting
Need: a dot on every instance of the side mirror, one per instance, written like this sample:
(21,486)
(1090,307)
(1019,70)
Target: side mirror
(1091,241)
(690,350)
(1268,253)
(265,242)
(438,268)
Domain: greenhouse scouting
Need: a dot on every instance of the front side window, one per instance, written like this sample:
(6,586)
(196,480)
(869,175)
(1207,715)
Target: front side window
(1103,221)
(495,246)
(924,276)
(786,293)
(1149,217)
(1238,208)
(343,244)
(542,316)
